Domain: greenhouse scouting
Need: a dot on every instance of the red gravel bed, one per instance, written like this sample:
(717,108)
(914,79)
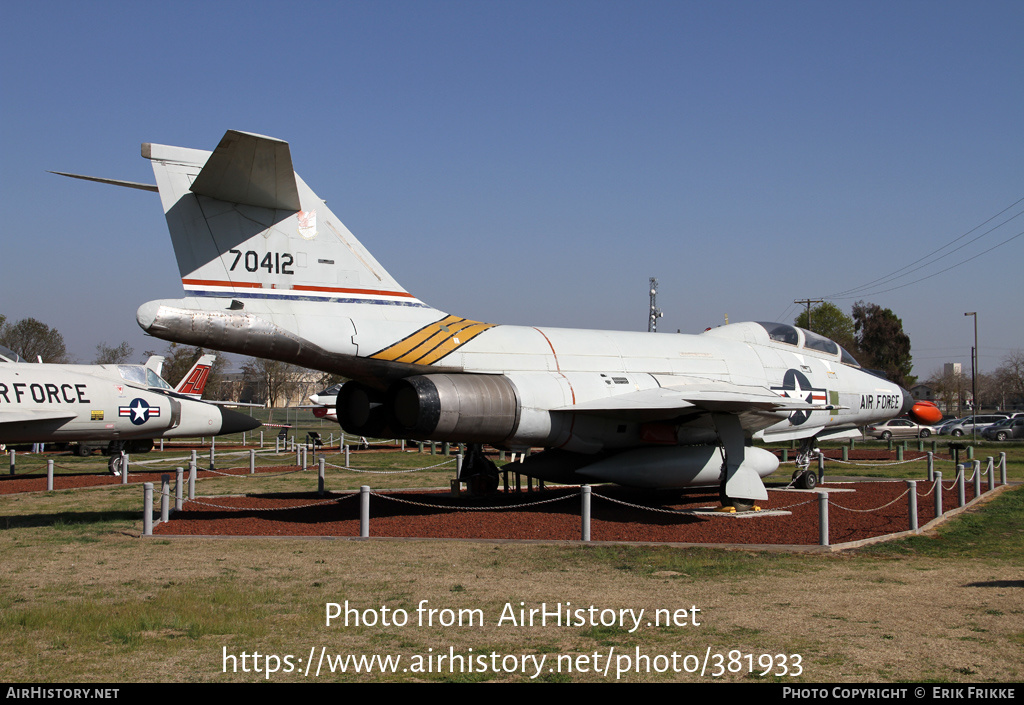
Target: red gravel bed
(872,509)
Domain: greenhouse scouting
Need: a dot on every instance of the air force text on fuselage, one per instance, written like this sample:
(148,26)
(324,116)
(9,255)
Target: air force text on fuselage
(881,401)
(46,393)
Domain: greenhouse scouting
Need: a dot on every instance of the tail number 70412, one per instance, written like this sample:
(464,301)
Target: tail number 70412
(273,262)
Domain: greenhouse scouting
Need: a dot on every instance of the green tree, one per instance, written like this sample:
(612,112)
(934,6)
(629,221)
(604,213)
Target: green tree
(33,339)
(828,320)
(881,343)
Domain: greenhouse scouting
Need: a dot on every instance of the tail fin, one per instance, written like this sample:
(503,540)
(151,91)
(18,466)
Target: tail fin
(244,225)
(155,363)
(194,381)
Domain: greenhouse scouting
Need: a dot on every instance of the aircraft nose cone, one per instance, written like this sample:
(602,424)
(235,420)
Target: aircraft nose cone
(146,315)
(234,422)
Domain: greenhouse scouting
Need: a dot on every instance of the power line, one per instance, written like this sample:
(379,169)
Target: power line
(941,271)
(901,272)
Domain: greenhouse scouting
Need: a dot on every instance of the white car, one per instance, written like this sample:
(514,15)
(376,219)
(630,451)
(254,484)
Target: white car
(970,424)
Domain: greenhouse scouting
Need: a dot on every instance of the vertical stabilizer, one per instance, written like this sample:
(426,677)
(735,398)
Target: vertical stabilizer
(244,225)
(193,384)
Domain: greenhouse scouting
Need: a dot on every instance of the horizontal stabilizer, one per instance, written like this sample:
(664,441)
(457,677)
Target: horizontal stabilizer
(112,182)
(252,170)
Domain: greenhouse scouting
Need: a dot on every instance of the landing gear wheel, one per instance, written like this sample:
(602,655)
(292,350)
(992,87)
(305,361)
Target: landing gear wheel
(83,451)
(807,481)
(114,465)
(740,505)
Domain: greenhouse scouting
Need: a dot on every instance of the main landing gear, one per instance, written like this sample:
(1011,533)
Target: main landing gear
(478,472)
(804,477)
(740,486)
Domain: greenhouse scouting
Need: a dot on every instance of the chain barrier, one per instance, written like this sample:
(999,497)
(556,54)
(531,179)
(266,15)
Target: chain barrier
(793,506)
(389,472)
(476,509)
(272,509)
(447,507)
(245,473)
(62,466)
(874,509)
(156,463)
(877,465)
(660,510)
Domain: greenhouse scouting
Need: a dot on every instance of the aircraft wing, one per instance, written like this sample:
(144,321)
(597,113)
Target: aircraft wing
(219,402)
(28,416)
(709,396)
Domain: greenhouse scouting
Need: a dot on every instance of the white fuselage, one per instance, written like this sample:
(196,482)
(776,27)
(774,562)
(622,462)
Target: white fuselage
(55,403)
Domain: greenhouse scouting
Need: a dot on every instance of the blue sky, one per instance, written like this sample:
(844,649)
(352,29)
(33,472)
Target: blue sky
(535,162)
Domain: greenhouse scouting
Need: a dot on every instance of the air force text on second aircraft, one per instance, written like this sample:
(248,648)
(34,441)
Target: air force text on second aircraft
(45,393)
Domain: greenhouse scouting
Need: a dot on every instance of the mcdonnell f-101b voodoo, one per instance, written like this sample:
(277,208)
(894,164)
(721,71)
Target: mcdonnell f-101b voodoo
(127,405)
(270,271)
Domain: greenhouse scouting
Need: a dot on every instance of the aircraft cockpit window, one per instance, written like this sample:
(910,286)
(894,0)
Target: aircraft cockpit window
(781,332)
(133,373)
(153,380)
(142,376)
(813,341)
(7,355)
(847,358)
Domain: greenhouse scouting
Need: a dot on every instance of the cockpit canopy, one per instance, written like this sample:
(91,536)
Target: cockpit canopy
(142,376)
(800,337)
(786,334)
(7,355)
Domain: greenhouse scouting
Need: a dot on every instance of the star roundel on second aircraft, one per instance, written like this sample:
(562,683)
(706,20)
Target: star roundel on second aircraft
(139,411)
(795,385)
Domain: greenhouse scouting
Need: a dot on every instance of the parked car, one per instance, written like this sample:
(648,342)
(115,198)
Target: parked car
(1004,430)
(898,428)
(970,424)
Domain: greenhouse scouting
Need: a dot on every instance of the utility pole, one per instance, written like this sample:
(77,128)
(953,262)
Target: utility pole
(808,302)
(974,374)
(655,312)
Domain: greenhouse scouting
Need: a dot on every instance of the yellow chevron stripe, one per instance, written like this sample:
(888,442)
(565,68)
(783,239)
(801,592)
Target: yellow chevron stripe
(438,336)
(454,342)
(408,343)
(434,341)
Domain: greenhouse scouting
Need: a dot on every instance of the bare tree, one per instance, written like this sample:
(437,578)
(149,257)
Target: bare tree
(949,387)
(1009,379)
(120,355)
(269,378)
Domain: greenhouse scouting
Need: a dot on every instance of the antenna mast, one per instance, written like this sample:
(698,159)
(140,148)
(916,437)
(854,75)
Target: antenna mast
(655,312)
